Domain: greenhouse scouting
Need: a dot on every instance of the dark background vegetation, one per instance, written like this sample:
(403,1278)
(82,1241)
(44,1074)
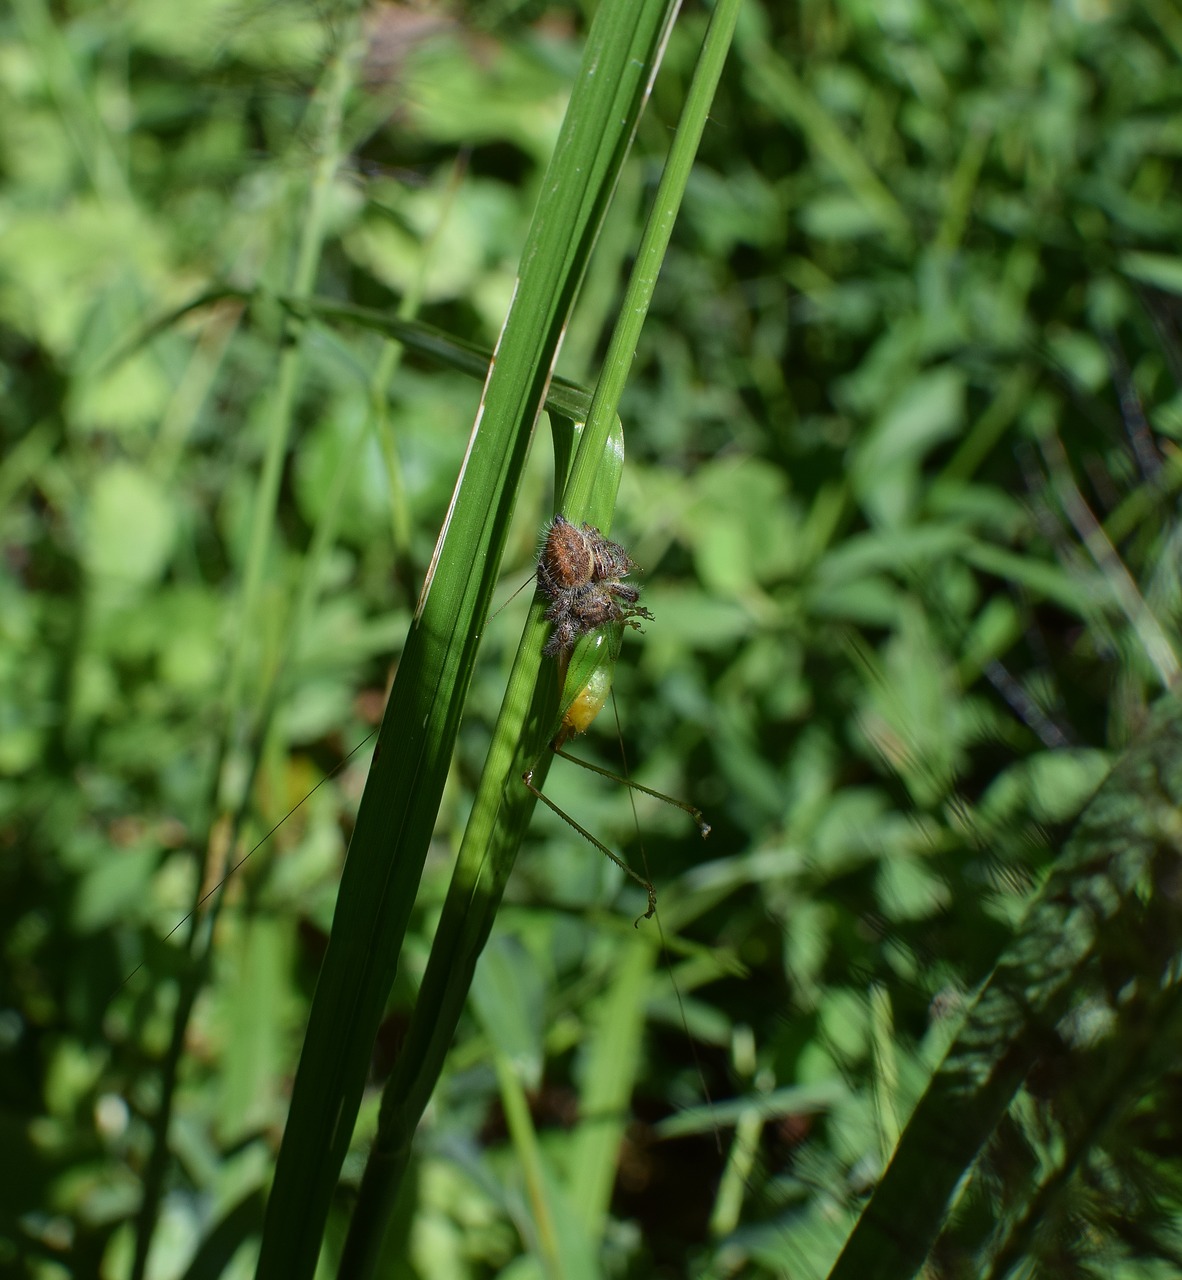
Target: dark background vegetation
(902,479)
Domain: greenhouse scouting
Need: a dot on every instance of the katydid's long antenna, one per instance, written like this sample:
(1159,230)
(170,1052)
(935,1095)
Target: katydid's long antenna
(527,583)
(206,896)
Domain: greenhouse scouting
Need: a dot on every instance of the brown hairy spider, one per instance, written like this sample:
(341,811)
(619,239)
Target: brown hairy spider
(580,572)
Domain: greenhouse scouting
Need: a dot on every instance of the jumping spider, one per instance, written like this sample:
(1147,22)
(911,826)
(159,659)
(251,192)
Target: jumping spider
(580,572)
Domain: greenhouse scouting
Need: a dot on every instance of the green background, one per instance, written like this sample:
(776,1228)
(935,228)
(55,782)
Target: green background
(902,472)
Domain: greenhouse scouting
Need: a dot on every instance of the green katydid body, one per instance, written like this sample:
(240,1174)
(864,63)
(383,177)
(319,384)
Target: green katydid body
(587,680)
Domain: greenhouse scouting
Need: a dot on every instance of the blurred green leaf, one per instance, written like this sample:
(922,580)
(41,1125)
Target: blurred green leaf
(130,529)
(901,482)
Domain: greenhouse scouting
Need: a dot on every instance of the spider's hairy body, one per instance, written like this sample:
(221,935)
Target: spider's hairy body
(581,573)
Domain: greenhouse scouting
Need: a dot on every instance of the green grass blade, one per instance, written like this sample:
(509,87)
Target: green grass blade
(612,1066)
(562,396)
(651,253)
(397,813)
(559,1240)
(617,1045)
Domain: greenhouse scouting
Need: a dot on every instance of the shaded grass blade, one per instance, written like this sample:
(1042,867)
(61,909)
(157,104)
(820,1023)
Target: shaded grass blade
(1104,934)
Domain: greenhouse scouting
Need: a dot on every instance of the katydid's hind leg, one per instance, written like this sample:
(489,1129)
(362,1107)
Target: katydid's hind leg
(696,814)
(646,885)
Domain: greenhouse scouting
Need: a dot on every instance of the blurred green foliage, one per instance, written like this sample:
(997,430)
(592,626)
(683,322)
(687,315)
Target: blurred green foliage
(902,476)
